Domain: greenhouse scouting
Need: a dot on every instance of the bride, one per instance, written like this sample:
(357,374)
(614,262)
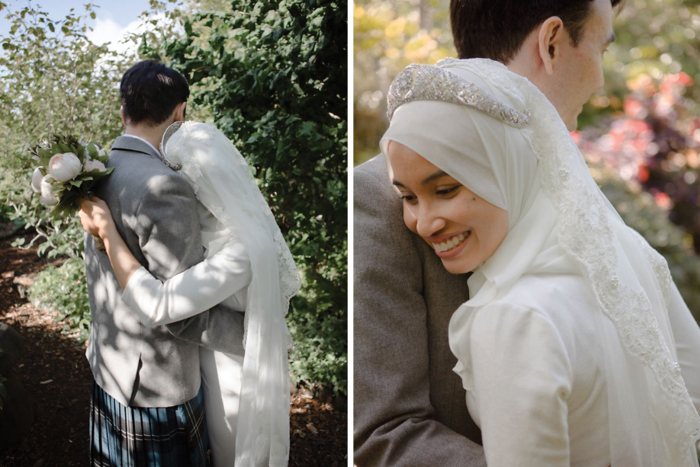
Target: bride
(249,267)
(575,347)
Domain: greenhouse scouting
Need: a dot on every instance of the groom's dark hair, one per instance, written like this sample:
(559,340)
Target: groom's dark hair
(150,91)
(497,29)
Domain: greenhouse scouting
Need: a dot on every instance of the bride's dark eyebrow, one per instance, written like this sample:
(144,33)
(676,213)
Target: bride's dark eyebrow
(430,178)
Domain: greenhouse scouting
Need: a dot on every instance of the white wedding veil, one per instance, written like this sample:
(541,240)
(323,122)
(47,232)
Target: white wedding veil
(498,135)
(224,184)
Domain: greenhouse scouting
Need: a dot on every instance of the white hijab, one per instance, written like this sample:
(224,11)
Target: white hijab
(498,135)
(224,184)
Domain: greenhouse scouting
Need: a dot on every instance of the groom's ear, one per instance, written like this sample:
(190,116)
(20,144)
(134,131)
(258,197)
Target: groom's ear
(551,38)
(180,112)
(121,112)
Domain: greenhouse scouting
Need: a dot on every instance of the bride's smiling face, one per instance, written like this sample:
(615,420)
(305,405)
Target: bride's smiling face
(463,229)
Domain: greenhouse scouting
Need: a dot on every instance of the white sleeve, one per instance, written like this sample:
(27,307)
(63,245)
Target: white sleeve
(687,336)
(522,379)
(193,291)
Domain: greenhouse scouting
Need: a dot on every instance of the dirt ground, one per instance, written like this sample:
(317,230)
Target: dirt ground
(55,372)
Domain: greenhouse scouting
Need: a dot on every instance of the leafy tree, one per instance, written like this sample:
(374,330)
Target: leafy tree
(52,80)
(272,76)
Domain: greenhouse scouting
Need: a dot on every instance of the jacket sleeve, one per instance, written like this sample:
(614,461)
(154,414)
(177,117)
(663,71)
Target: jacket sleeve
(394,420)
(167,224)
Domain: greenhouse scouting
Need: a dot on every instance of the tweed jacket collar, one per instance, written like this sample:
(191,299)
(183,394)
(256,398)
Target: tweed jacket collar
(131,144)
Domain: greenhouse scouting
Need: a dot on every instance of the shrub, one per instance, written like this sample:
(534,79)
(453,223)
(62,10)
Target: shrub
(64,289)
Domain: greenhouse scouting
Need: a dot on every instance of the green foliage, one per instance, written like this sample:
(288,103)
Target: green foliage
(52,80)
(272,75)
(56,237)
(64,289)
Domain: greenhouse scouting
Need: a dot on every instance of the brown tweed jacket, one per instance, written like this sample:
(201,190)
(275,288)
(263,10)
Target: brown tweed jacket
(410,407)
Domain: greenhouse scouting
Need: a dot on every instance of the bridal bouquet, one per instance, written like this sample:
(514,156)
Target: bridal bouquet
(67,171)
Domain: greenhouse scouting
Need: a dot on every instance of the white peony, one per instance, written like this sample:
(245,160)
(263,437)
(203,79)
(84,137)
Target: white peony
(36,180)
(94,164)
(64,167)
(47,197)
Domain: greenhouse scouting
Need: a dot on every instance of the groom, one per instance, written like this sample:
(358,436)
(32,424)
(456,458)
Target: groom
(138,369)
(410,408)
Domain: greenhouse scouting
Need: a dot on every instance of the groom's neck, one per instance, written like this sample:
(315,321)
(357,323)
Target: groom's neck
(152,134)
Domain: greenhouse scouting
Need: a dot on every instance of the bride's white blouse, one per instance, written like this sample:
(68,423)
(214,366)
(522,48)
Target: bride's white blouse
(223,277)
(539,385)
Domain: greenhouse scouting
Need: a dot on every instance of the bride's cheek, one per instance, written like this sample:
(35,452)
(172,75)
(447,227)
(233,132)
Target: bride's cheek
(410,220)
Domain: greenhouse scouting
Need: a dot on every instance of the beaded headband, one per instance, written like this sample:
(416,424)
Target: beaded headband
(432,83)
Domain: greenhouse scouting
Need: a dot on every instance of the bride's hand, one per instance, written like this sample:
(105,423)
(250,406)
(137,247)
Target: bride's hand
(95,216)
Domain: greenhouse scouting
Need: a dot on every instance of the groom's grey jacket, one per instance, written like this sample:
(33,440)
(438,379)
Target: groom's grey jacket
(410,407)
(155,212)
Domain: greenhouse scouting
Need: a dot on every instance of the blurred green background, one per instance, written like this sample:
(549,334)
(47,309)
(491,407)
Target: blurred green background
(640,135)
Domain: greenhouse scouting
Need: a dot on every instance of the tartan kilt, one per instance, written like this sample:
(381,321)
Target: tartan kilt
(147,436)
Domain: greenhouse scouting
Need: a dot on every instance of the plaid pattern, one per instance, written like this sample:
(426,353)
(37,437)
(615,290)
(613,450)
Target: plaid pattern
(154,437)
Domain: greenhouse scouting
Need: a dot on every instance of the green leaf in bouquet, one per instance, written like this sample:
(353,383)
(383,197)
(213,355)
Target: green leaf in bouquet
(56,188)
(76,183)
(45,156)
(85,176)
(68,206)
(93,151)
